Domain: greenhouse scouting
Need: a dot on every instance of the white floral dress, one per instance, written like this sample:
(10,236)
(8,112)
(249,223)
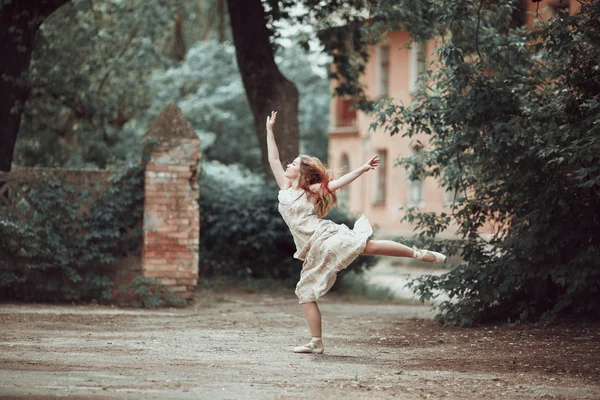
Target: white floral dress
(325,247)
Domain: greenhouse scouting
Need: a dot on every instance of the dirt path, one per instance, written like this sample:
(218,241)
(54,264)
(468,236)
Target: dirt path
(232,346)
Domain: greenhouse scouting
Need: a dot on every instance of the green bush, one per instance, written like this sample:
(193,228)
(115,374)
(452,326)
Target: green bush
(149,293)
(62,254)
(242,233)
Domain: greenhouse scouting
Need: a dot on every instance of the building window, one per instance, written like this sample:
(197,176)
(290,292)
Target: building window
(383,71)
(417,64)
(415,189)
(380,179)
(346,113)
(344,193)
(450,196)
(416,192)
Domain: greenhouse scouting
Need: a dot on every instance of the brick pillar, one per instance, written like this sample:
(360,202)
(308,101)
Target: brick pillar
(171,212)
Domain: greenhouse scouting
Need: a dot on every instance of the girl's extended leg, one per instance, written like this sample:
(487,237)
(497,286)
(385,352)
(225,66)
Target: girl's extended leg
(394,249)
(313,317)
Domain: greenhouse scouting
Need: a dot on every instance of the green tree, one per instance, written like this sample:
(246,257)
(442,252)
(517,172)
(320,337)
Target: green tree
(87,96)
(89,63)
(208,88)
(511,120)
(83,92)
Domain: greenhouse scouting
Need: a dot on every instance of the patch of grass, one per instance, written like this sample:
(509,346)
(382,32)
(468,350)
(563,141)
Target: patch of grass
(350,286)
(354,287)
(144,292)
(250,286)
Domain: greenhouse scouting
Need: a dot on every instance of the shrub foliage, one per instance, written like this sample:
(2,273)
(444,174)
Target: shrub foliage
(511,116)
(64,254)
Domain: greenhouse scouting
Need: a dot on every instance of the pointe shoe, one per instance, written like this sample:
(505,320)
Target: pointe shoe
(439,258)
(311,348)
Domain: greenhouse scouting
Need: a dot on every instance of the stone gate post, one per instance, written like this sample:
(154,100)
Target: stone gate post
(171,211)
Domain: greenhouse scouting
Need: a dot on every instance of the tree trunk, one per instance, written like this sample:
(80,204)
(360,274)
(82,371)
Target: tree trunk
(221,20)
(266,88)
(179,49)
(19,22)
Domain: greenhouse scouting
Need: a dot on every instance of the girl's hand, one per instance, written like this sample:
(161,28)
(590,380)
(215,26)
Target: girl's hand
(371,164)
(271,120)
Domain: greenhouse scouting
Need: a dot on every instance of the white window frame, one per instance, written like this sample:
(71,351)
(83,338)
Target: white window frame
(344,193)
(412,186)
(382,90)
(418,64)
(379,196)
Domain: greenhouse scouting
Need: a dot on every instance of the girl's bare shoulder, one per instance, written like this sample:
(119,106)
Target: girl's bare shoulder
(318,189)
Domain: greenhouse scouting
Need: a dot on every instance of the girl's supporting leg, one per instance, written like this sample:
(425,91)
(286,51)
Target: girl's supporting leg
(313,317)
(394,249)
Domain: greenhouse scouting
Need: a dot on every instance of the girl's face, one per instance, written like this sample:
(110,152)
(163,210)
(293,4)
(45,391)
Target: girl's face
(293,169)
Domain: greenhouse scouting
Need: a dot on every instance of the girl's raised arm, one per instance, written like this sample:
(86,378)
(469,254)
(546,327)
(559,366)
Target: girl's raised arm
(273,154)
(351,176)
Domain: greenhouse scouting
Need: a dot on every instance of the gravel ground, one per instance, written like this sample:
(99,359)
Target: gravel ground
(231,345)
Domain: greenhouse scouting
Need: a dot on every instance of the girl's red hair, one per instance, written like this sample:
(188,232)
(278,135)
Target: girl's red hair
(313,171)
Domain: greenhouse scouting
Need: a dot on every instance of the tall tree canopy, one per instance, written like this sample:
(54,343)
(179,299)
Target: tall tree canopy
(83,90)
(90,99)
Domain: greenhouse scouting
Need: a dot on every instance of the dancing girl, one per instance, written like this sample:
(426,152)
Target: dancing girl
(306,195)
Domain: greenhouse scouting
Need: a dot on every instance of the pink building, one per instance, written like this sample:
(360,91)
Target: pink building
(385,194)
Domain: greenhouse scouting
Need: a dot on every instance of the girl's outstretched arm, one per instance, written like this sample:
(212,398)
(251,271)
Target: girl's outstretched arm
(351,176)
(273,154)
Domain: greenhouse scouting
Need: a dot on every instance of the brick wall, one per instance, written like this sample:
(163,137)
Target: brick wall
(171,212)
